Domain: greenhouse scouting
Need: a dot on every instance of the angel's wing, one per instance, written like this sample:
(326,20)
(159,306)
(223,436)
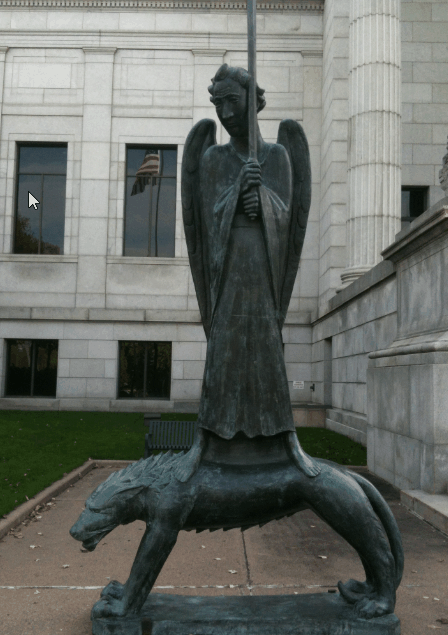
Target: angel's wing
(200,138)
(292,137)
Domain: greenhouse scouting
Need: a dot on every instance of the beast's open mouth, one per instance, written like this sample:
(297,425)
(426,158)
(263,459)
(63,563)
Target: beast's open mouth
(91,543)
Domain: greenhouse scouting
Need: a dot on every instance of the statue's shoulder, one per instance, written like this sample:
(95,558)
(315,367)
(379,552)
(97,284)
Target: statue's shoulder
(215,154)
(276,151)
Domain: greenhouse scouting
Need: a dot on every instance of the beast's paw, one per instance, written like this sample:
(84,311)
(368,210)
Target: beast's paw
(114,589)
(373,607)
(108,606)
(352,591)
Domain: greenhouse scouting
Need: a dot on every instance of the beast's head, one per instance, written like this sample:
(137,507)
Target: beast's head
(117,501)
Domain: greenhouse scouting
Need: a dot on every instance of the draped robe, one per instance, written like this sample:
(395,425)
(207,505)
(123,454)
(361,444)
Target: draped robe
(245,387)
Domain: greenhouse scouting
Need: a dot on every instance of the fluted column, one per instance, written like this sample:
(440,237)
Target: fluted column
(374,133)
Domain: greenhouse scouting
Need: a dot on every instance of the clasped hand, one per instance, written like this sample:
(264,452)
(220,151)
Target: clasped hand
(251,181)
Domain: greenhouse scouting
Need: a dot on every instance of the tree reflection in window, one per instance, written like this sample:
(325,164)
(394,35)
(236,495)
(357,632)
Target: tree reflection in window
(31,369)
(150,201)
(42,172)
(145,370)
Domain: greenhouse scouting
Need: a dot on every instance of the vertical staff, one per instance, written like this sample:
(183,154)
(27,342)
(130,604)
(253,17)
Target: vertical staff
(252,68)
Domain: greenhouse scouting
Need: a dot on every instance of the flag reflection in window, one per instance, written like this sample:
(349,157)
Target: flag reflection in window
(150,205)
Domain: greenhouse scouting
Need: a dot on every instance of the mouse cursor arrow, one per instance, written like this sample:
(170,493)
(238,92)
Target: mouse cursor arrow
(32,201)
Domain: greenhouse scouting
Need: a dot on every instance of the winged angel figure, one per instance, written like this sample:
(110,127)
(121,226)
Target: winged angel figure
(245,224)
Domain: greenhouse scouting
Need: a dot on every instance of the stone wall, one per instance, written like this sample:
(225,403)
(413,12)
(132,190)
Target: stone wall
(333,204)
(360,319)
(425,93)
(99,79)
(88,356)
(407,381)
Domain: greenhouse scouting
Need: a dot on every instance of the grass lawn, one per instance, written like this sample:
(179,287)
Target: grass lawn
(38,448)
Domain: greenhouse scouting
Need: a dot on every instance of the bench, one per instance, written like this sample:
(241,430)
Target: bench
(168,435)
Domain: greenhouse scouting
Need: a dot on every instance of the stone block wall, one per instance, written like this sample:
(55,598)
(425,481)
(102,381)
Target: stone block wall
(354,323)
(408,399)
(425,93)
(334,157)
(88,357)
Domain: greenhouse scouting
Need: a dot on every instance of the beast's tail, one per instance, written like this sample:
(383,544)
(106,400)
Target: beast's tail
(382,510)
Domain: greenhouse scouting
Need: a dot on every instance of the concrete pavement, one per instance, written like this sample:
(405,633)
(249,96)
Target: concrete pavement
(301,554)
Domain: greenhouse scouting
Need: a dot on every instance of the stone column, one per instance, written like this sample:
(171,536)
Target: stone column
(5,246)
(95,169)
(374,133)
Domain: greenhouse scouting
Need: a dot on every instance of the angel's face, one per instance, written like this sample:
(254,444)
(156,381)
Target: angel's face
(231,107)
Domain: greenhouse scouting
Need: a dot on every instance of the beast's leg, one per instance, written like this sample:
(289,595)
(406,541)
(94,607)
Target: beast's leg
(344,506)
(124,600)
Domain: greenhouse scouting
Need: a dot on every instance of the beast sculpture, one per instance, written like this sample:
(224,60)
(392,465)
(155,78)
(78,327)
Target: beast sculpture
(238,492)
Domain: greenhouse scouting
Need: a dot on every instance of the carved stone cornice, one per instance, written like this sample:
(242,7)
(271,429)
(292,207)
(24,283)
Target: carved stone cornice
(315,6)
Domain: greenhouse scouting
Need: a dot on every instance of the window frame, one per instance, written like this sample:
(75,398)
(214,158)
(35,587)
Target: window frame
(145,396)
(36,144)
(424,189)
(33,363)
(145,146)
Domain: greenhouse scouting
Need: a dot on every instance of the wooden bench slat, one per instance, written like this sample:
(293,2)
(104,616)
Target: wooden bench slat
(169,435)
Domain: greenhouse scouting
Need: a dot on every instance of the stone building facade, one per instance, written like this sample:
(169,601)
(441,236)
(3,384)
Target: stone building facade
(368,82)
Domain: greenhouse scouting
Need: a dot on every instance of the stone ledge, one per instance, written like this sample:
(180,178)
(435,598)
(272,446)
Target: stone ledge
(377,274)
(431,507)
(428,227)
(103,315)
(37,258)
(134,260)
(293,5)
(352,433)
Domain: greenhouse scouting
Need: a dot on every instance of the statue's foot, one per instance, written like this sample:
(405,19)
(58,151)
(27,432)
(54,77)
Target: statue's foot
(302,461)
(189,463)
(368,606)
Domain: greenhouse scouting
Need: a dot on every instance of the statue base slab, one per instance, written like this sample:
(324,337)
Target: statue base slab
(304,614)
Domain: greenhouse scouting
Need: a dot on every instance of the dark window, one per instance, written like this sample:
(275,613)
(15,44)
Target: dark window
(150,205)
(41,171)
(32,367)
(145,370)
(414,201)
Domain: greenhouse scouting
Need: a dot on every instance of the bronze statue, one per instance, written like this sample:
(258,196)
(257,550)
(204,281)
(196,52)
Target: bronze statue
(245,223)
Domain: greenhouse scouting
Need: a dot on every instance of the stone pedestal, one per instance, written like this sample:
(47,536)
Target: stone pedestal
(306,614)
(374,155)
(407,409)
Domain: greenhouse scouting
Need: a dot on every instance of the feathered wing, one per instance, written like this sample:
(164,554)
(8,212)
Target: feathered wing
(292,137)
(200,138)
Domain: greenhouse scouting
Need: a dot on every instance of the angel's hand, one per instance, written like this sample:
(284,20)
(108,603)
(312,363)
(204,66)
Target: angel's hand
(251,203)
(251,175)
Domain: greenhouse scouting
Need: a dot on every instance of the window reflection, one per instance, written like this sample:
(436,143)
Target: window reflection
(145,370)
(42,172)
(31,368)
(150,205)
